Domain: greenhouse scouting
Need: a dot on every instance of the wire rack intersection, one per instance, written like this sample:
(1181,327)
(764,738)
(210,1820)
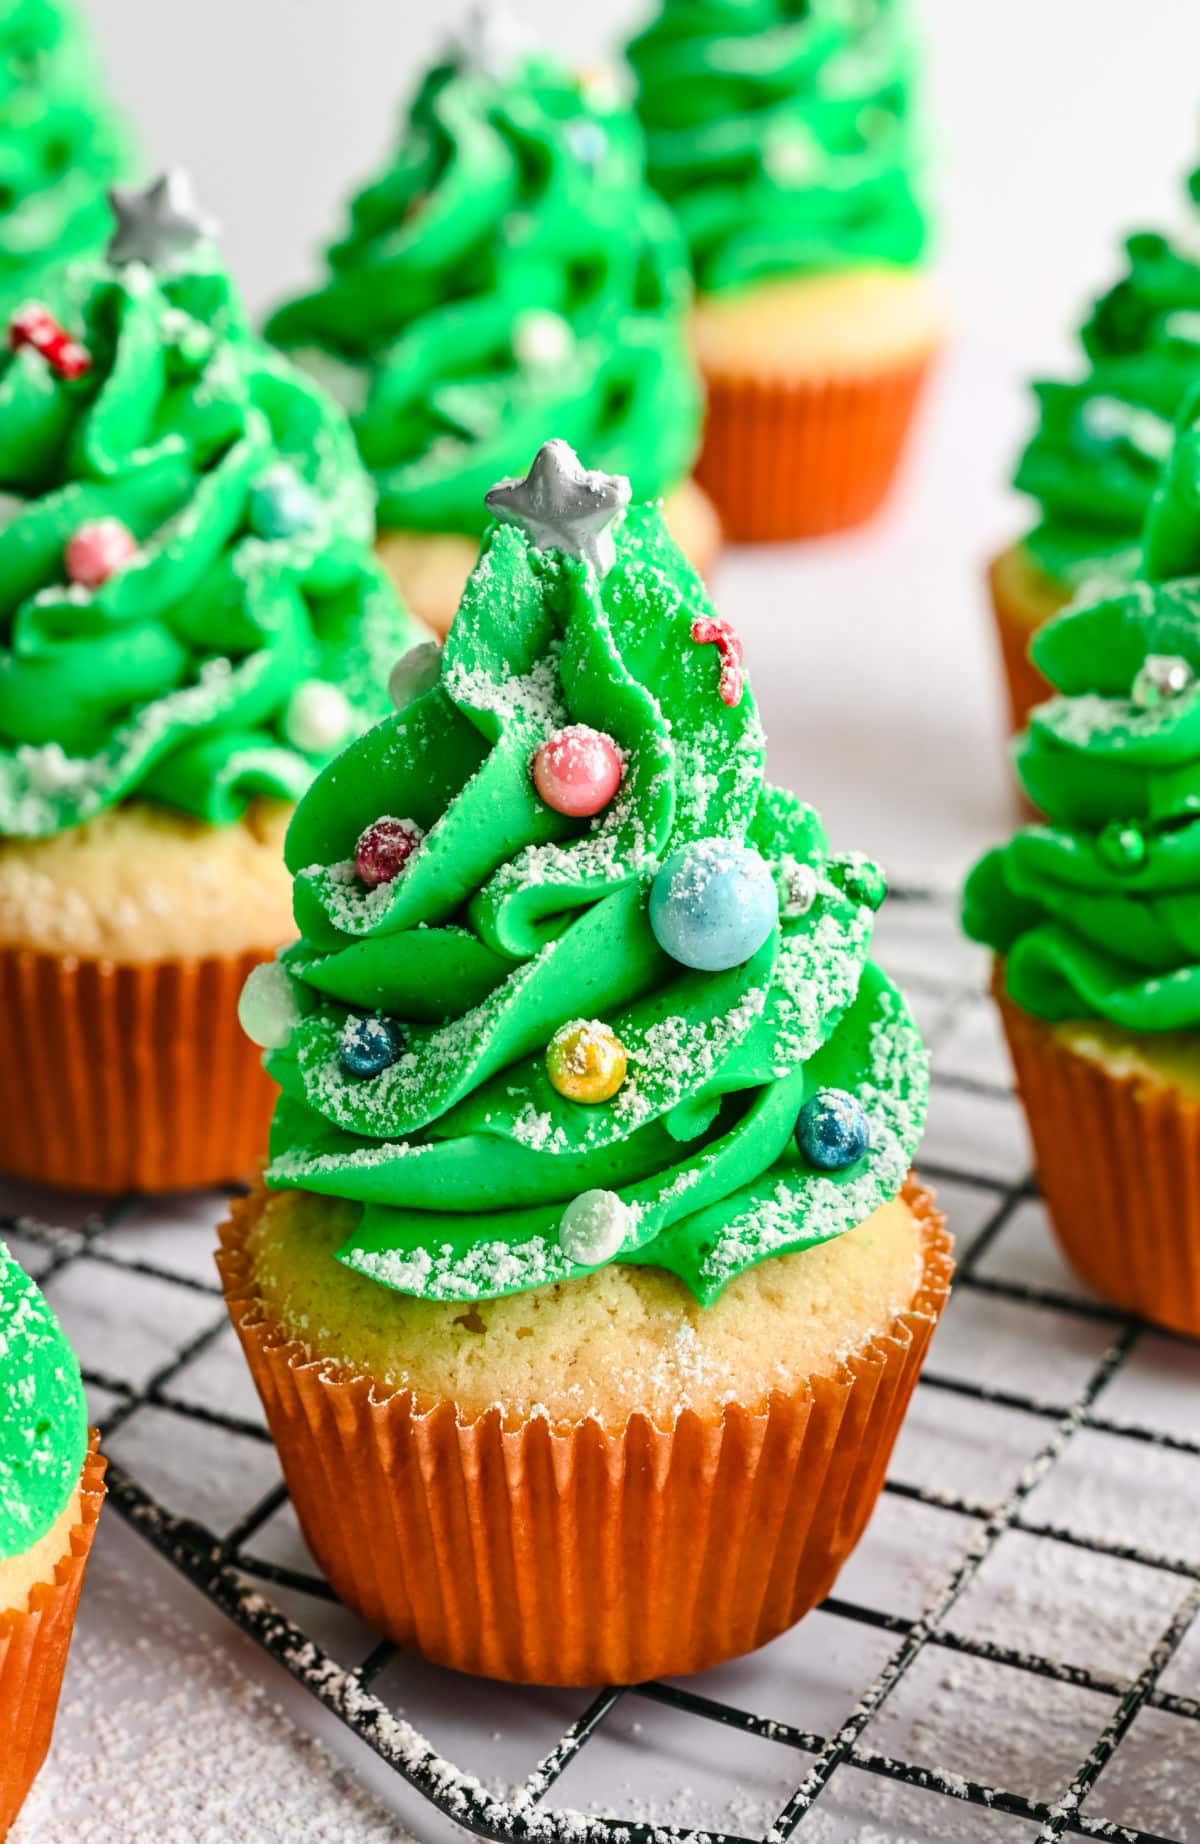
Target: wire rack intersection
(946,985)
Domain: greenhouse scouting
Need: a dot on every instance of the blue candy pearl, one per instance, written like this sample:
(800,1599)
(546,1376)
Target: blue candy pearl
(370,1045)
(281,504)
(713,904)
(833,1131)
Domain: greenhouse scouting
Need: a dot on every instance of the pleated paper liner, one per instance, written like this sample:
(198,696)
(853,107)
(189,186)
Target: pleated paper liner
(1023,600)
(579,1554)
(799,460)
(1118,1160)
(33,1654)
(130,1077)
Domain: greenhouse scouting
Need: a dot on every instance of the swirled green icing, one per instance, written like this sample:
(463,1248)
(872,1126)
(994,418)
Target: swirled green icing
(176,678)
(61,146)
(1101,439)
(510,920)
(782,134)
(1098,911)
(43,1420)
(510,275)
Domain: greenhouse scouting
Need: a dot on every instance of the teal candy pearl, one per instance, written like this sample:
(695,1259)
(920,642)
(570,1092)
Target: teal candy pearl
(713,904)
(832,1131)
(281,505)
(369,1046)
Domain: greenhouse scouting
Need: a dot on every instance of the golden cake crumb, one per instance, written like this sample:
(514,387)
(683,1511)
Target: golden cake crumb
(20,1574)
(871,318)
(620,1340)
(144,883)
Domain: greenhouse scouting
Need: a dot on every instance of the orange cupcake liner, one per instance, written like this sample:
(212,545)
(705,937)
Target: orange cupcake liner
(1022,602)
(579,1554)
(128,1077)
(33,1654)
(1118,1160)
(799,460)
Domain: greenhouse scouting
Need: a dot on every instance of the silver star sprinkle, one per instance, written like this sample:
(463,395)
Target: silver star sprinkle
(158,224)
(489,42)
(563,506)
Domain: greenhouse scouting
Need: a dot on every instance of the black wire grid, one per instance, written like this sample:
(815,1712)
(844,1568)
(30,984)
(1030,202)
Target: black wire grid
(228,1571)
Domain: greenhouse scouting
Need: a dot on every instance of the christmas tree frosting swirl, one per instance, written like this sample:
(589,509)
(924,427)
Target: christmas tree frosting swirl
(189,609)
(1098,910)
(574,982)
(1095,457)
(61,145)
(43,1418)
(781,135)
(510,272)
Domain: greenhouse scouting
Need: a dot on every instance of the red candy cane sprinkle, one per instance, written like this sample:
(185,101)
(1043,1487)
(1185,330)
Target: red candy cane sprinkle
(35,326)
(729,646)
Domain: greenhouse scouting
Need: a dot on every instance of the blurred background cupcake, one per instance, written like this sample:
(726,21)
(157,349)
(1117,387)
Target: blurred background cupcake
(193,623)
(1095,920)
(51,1491)
(1096,453)
(588,1214)
(62,144)
(507,277)
(784,139)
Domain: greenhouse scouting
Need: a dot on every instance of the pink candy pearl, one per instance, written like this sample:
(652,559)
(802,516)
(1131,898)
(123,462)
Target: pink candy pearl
(384,849)
(577,771)
(98,550)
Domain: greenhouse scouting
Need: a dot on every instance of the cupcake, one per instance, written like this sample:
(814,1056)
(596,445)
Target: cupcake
(508,275)
(782,137)
(587,1286)
(51,1490)
(1094,917)
(193,623)
(1100,442)
(63,146)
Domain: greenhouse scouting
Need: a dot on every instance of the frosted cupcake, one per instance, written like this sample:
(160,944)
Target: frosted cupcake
(63,146)
(1095,456)
(51,1490)
(507,276)
(192,624)
(782,136)
(588,1286)
(1095,920)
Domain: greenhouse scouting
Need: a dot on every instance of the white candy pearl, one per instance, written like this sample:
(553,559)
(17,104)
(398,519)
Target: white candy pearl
(542,339)
(267,1009)
(318,718)
(415,673)
(593,1228)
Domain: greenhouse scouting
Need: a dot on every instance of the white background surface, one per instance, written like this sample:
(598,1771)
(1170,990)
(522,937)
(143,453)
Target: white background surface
(1059,123)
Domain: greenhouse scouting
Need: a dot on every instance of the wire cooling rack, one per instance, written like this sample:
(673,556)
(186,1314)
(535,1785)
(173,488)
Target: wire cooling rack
(1012,1653)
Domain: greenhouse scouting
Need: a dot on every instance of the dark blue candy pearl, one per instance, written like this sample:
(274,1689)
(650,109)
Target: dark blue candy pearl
(370,1045)
(832,1131)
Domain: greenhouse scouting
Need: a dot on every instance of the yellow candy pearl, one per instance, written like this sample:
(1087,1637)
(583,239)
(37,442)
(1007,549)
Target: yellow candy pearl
(586,1061)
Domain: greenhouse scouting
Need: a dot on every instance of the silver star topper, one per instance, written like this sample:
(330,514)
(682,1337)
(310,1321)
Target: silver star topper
(563,506)
(159,224)
(490,42)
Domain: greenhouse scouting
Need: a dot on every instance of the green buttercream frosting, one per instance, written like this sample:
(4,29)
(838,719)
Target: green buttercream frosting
(1098,910)
(509,275)
(781,133)
(511,920)
(61,146)
(1101,439)
(43,1418)
(189,676)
